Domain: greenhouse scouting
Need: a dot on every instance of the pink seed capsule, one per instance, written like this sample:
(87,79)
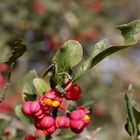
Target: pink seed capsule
(26,108)
(77,126)
(50,130)
(76,115)
(77,131)
(47,121)
(52,98)
(73,93)
(37,124)
(86,120)
(62,121)
(35,107)
(39,114)
(83,109)
(51,94)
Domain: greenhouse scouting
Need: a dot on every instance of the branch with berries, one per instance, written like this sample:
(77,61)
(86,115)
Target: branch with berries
(42,110)
(44,99)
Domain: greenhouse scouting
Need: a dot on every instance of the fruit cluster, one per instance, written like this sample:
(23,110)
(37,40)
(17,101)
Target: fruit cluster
(3,68)
(43,108)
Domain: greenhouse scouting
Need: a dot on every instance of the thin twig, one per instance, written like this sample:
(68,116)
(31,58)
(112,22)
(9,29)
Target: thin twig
(3,95)
(48,137)
(6,87)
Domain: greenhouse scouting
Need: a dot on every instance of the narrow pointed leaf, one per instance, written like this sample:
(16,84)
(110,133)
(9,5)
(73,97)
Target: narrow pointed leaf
(49,71)
(19,49)
(41,86)
(133,119)
(129,30)
(102,50)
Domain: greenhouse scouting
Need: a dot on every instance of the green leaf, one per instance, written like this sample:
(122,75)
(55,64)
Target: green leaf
(28,87)
(66,134)
(101,50)
(49,71)
(19,49)
(20,133)
(4,52)
(22,116)
(89,104)
(41,86)
(29,97)
(3,124)
(133,119)
(69,55)
(129,30)
(66,58)
(72,107)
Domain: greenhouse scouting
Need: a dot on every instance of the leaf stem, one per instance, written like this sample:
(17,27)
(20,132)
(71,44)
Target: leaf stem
(3,95)
(48,137)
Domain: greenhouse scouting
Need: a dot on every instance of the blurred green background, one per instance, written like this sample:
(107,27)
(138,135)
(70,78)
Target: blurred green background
(44,25)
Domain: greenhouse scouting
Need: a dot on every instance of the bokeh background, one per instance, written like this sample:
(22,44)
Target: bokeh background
(44,25)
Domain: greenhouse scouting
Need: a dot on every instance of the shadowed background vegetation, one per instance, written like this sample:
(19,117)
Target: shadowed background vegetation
(44,25)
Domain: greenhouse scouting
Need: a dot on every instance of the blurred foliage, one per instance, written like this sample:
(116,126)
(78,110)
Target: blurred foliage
(44,25)
(133,119)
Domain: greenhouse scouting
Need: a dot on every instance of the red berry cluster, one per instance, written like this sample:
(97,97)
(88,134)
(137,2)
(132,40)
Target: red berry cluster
(43,111)
(3,68)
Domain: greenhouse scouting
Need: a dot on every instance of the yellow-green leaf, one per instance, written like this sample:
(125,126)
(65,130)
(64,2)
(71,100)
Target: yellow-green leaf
(28,87)
(41,86)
